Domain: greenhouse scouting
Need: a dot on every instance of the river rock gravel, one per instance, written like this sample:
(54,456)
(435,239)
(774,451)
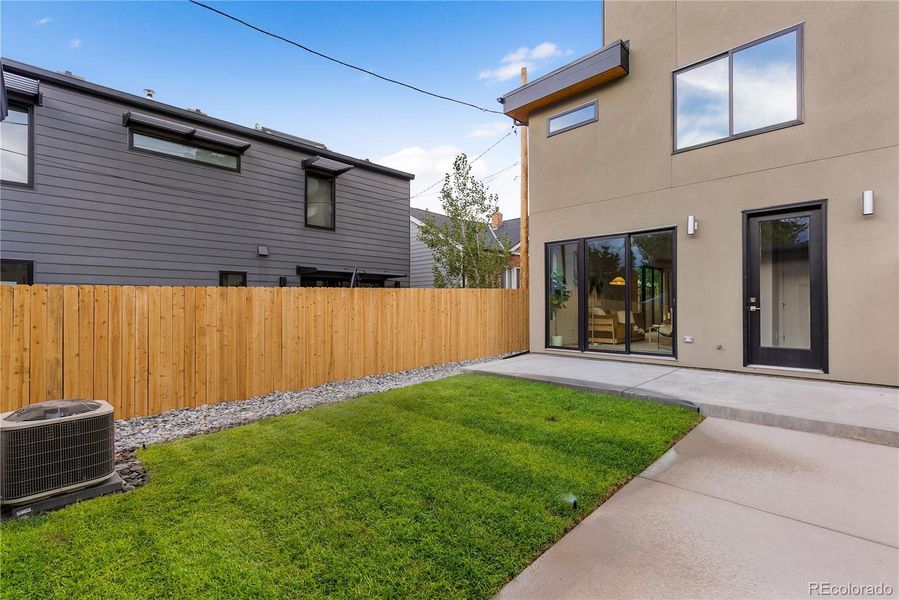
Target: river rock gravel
(142,431)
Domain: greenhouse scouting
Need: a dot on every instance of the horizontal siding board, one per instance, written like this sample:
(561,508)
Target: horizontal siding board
(100,213)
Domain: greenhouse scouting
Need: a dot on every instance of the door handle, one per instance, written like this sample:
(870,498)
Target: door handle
(754,308)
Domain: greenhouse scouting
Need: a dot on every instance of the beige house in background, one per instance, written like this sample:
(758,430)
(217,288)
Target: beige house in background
(718,189)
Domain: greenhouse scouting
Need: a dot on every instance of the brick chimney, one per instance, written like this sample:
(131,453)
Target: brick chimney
(496,220)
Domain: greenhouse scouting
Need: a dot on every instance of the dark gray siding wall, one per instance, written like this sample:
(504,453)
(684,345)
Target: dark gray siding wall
(102,214)
(421,260)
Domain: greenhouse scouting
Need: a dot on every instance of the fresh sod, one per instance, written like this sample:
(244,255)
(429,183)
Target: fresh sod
(444,489)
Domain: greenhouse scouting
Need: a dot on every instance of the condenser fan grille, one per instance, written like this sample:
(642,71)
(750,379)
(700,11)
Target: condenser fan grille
(54,455)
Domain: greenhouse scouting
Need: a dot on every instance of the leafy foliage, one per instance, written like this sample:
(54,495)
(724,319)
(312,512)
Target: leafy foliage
(463,255)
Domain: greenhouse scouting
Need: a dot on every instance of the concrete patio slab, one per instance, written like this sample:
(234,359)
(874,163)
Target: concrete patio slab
(869,413)
(685,529)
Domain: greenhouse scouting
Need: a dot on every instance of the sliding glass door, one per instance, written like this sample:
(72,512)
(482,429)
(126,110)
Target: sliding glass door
(652,298)
(607,293)
(613,293)
(563,295)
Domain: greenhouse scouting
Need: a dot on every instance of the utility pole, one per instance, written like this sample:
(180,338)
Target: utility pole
(524,262)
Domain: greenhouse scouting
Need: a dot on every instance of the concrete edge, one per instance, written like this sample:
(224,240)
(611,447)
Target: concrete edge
(884,437)
(620,391)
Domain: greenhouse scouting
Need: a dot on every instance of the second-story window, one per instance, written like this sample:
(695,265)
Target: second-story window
(15,141)
(319,201)
(580,115)
(160,145)
(747,90)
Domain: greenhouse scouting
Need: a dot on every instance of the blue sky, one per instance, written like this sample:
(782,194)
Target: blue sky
(194,58)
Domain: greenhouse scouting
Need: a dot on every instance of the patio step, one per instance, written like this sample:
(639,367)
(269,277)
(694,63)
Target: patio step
(860,412)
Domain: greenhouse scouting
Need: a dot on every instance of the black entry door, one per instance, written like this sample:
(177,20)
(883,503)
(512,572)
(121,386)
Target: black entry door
(785,304)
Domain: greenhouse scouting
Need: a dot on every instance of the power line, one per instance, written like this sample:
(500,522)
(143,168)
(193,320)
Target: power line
(492,175)
(338,61)
(476,159)
(482,179)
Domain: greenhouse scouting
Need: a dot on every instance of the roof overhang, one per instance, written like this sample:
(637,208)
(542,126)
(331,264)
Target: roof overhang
(326,165)
(595,69)
(56,79)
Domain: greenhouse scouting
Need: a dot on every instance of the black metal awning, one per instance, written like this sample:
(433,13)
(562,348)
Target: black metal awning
(188,131)
(326,165)
(18,85)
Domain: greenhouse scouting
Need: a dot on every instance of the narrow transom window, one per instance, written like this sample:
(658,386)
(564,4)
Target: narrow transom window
(161,145)
(570,119)
(320,195)
(751,89)
(15,142)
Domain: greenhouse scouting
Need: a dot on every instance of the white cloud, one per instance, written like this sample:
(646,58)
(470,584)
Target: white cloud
(43,21)
(75,43)
(490,130)
(532,58)
(430,165)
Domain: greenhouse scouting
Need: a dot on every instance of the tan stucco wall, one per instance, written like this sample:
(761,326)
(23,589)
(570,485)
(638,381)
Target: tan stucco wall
(619,173)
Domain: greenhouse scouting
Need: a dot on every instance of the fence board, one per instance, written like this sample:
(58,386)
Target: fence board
(151,349)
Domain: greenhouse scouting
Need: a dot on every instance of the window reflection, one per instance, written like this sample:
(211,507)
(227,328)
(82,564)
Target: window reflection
(785,283)
(562,295)
(607,318)
(170,148)
(578,116)
(652,263)
(14,143)
(702,98)
(765,90)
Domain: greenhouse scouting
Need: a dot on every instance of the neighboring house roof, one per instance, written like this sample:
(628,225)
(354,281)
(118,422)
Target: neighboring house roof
(14,68)
(510,228)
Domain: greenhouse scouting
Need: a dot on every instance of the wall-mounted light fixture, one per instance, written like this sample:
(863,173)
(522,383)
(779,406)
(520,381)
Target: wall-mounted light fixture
(692,225)
(262,250)
(868,202)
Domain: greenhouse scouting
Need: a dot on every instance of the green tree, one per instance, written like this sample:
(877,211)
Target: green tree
(465,252)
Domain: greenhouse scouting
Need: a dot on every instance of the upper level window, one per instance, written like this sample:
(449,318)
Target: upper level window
(15,141)
(570,119)
(747,90)
(319,201)
(161,145)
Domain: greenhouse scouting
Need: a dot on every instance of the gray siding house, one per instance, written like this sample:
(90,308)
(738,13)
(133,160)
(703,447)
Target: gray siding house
(103,187)
(421,273)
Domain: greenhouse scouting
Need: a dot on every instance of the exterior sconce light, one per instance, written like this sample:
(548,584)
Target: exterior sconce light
(262,250)
(692,225)
(868,202)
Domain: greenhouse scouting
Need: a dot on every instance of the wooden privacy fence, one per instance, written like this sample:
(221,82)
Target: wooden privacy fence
(151,349)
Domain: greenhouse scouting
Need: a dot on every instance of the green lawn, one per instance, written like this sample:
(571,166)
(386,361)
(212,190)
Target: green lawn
(445,489)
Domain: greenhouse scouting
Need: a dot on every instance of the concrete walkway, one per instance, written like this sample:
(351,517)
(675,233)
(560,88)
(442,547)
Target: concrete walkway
(735,510)
(859,412)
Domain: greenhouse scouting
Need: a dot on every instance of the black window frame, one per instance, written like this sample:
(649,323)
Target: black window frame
(222,275)
(173,137)
(799,28)
(594,119)
(320,175)
(28,263)
(14,102)
(583,292)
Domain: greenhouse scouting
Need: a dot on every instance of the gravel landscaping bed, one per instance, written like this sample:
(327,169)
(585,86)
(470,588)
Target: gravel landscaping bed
(142,431)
